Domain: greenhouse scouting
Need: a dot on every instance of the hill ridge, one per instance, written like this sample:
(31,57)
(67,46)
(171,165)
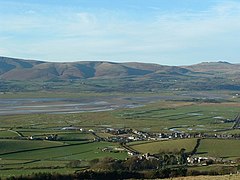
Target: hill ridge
(122,76)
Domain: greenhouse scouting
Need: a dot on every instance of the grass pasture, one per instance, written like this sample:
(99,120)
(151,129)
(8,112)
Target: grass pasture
(10,146)
(25,172)
(220,148)
(7,134)
(75,136)
(165,146)
(81,150)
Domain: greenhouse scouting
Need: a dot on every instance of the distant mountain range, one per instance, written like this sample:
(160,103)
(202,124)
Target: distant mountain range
(213,75)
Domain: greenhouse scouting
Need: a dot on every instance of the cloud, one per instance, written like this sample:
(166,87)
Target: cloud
(227,8)
(161,37)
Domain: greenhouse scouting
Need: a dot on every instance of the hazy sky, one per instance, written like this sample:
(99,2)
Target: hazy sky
(172,32)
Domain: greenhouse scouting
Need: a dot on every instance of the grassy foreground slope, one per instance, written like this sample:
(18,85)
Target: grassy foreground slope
(225,177)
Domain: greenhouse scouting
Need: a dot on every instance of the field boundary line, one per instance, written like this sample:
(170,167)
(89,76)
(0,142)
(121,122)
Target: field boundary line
(195,149)
(16,132)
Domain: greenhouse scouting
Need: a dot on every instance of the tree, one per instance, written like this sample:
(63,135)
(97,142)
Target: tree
(74,164)
(183,156)
(132,164)
(173,160)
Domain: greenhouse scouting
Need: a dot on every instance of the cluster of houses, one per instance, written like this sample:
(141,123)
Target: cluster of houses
(204,161)
(125,135)
(129,135)
(222,136)
(199,160)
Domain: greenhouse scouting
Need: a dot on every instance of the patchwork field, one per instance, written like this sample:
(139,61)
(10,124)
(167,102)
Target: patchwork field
(185,117)
(20,155)
(162,116)
(77,151)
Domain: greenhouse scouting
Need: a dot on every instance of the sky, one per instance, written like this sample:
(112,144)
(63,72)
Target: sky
(170,32)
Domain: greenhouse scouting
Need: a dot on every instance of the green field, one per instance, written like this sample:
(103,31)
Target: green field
(220,148)
(25,172)
(165,146)
(7,134)
(56,151)
(9,146)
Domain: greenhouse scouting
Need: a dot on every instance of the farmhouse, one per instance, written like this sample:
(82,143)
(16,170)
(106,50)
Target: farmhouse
(147,156)
(201,160)
(131,153)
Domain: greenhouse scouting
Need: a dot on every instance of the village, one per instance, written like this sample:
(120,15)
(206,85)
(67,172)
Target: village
(126,135)
(129,135)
